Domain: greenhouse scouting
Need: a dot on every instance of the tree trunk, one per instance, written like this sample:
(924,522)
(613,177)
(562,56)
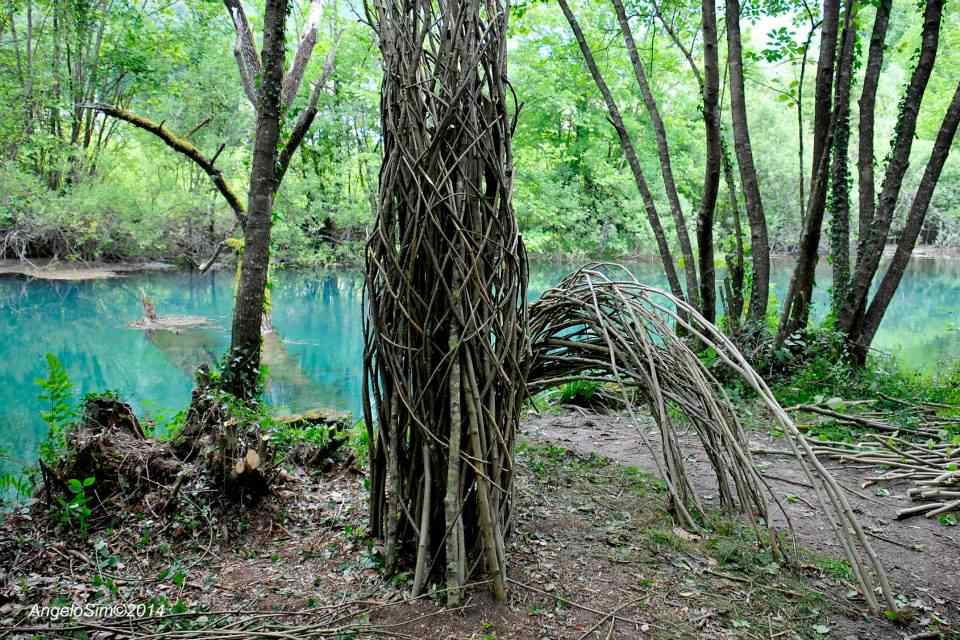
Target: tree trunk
(796,305)
(840,171)
(626,144)
(760,249)
(666,167)
(243,366)
(800,153)
(733,283)
(854,308)
(908,237)
(867,107)
(713,160)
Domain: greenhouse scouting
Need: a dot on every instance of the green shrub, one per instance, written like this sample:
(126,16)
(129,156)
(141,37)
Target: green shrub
(579,392)
(76,511)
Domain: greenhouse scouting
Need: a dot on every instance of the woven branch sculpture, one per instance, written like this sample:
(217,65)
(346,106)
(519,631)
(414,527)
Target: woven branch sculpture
(452,350)
(600,323)
(446,282)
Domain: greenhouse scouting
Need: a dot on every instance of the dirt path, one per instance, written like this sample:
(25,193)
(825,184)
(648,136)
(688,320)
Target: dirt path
(920,554)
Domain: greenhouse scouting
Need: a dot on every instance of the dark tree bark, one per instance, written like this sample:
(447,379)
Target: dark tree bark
(760,249)
(867,107)
(796,307)
(854,308)
(709,82)
(243,367)
(733,283)
(814,25)
(666,167)
(629,152)
(908,237)
(840,170)
(713,160)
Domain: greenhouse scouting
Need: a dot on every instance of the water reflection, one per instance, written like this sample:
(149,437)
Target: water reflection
(315,355)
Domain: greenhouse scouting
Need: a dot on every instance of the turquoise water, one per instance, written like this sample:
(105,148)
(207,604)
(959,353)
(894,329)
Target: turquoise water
(315,355)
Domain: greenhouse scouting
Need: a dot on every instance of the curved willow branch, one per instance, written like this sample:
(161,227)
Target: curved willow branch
(601,323)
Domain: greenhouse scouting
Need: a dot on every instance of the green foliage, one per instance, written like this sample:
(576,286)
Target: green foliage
(827,373)
(164,426)
(580,392)
(19,485)
(286,436)
(58,391)
(119,193)
(838,569)
(360,441)
(74,512)
(552,460)
(238,373)
(12,484)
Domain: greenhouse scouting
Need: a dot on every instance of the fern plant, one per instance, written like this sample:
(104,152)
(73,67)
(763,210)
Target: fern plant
(57,390)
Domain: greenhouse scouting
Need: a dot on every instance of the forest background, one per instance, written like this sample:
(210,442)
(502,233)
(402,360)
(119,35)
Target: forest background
(76,184)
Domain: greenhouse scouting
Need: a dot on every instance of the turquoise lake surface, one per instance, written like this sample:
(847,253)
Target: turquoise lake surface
(315,354)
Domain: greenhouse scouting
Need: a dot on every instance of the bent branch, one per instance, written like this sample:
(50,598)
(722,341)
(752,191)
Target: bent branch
(181,146)
(306,117)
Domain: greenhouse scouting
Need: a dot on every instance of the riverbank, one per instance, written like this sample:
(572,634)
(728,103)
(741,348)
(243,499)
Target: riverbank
(56,269)
(52,269)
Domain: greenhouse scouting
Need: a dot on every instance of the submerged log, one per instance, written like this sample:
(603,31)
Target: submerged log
(152,321)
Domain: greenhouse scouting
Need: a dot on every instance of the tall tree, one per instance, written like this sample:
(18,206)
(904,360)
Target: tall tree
(713,159)
(840,170)
(867,111)
(243,364)
(630,153)
(915,217)
(796,306)
(271,90)
(852,316)
(666,166)
(708,81)
(857,316)
(760,246)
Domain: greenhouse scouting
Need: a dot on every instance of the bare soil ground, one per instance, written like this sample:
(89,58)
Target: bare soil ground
(593,554)
(913,550)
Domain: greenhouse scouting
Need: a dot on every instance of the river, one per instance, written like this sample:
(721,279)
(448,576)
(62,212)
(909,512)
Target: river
(315,356)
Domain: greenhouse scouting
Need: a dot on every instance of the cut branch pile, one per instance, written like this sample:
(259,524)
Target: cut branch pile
(916,453)
(601,324)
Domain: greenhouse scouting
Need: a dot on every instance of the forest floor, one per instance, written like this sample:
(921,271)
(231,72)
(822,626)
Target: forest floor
(593,555)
